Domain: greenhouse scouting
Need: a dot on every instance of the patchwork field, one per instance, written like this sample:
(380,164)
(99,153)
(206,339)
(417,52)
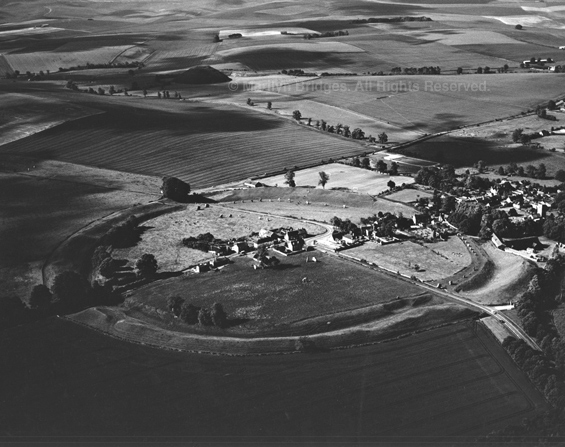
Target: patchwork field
(450,382)
(357,180)
(435,261)
(430,103)
(164,234)
(185,140)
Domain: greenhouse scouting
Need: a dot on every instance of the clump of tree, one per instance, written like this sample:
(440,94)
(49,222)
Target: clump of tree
(297,115)
(499,222)
(443,178)
(146,266)
(345,226)
(123,235)
(289,178)
(201,242)
(40,299)
(71,291)
(175,189)
(191,314)
(467,217)
(324,179)
(339,33)
(560,175)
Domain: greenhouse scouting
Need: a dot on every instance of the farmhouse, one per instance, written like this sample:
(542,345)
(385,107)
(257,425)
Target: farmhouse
(240,247)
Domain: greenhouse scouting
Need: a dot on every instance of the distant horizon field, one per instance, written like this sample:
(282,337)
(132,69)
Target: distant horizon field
(433,103)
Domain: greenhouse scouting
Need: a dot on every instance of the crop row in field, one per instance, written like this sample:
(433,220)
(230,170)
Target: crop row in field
(203,145)
(188,55)
(449,384)
(52,61)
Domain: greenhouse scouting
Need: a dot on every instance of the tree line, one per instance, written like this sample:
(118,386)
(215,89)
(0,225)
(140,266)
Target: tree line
(191,314)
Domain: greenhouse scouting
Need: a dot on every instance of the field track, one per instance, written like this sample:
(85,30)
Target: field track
(204,145)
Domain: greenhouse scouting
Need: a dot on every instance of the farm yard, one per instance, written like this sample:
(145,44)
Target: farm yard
(321,207)
(186,141)
(454,381)
(426,261)
(342,176)
(165,233)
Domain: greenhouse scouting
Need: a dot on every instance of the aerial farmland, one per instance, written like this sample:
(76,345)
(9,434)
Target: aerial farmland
(271,223)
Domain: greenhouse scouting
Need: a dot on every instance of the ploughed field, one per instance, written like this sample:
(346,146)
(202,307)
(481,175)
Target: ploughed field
(455,381)
(204,145)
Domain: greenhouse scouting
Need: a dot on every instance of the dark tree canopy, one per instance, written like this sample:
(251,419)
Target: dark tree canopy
(146,265)
(40,297)
(324,178)
(71,289)
(218,315)
(175,189)
(289,178)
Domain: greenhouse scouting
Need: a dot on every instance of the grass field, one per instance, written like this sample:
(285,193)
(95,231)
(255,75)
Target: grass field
(449,383)
(511,276)
(274,301)
(409,195)
(164,234)
(43,205)
(184,140)
(322,206)
(358,180)
(436,260)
